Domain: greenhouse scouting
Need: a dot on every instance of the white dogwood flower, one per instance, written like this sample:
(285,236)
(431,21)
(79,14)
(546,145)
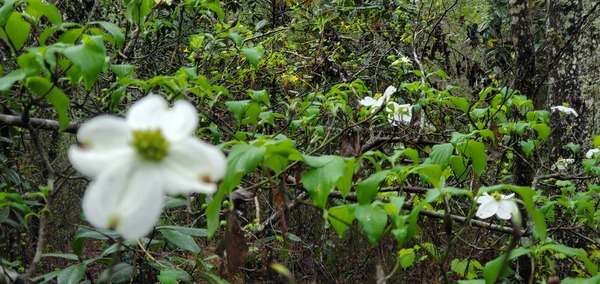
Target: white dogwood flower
(134,161)
(565,110)
(562,164)
(497,204)
(378,101)
(592,153)
(399,113)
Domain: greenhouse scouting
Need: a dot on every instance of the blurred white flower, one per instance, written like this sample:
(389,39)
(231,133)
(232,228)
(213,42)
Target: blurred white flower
(378,101)
(399,113)
(169,2)
(564,109)
(135,161)
(562,164)
(591,153)
(497,204)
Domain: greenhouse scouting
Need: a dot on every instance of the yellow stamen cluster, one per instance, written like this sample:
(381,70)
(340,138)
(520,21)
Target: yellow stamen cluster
(496,195)
(150,145)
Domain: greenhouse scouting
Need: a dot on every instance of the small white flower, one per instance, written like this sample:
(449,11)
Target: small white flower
(169,2)
(376,103)
(399,113)
(497,204)
(591,153)
(135,161)
(562,164)
(564,109)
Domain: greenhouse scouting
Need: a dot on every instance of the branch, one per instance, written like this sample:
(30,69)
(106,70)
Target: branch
(37,123)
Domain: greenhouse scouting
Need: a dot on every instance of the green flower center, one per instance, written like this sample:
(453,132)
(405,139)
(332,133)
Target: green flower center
(150,145)
(496,195)
(378,95)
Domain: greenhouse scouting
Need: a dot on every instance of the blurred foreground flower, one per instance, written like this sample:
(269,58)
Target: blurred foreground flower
(497,204)
(135,161)
(565,110)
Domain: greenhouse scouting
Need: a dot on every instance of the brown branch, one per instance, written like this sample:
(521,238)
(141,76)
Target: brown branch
(37,123)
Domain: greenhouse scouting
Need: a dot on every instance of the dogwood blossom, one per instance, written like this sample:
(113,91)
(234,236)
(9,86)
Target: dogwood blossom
(562,164)
(591,153)
(134,161)
(564,109)
(378,101)
(399,113)
(497,204)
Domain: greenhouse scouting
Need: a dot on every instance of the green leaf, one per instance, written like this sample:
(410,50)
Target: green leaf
(238,108)
(441,153)
(542,130)
(72,274)
(242,159)
(122,70)
(89,57)
(341,217)
(260,96)
(459,167)
(279,152)
(180,240)
(569,251)
(459,266)
(322,177)
(475,150)
(367,188)
(196,232)
(460,103)
(16,31)
(253,55)
(172,276)
(432,173)
(42,87)
(137,10)
(406,257)
(5,11)
(344,184)
(372,219)
(492,268)
(215,7)
(121,273)
(68,256)
(7,81)
(114,31)
(37,9)
(527,146)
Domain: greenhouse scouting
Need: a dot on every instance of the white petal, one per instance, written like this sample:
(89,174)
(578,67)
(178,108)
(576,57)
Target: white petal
(368,101)
(91,162)
(193,166)
(590,153)
(147,113)
(180,121)
(104,132)
(507,196)
(487,210)
(505,209)
(126,199)
(389,92)
(485,198)
(141,207)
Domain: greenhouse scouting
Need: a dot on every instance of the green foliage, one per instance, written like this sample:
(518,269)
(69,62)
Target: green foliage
(309,169)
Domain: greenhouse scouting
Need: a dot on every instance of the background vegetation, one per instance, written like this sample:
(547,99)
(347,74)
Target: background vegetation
(318,188)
